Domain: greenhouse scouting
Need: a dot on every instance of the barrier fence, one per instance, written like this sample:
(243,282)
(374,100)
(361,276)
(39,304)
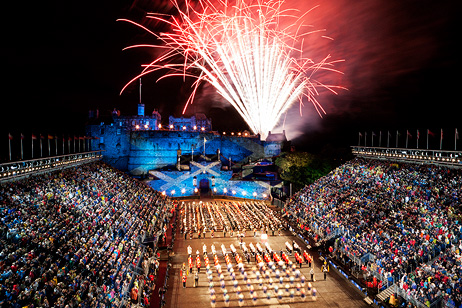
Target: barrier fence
(19,169)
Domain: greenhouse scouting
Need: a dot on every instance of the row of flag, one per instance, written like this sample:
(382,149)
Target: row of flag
(48,138)
(409,135)
(51,137)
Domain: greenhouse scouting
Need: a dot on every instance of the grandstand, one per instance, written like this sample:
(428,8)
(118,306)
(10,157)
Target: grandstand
(393,226)
(76,232)
(77,236)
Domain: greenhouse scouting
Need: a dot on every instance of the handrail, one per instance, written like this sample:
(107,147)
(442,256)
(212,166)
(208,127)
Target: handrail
(18,169)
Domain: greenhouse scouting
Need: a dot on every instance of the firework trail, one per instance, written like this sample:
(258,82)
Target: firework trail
(253,62)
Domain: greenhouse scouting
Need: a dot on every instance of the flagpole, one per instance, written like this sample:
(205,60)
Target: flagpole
(41,149)
(9,145)
(456,135)
(63,144)
(418,137)
(396,138)
(441,140)
(22,156)
(407,137)
(427,138)
(388,138)
(32,138)
(373,139)
(48,138)
(380,138)
(359,138)
(56,145)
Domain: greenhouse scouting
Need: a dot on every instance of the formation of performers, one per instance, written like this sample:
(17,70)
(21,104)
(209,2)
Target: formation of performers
(199,219)
(271,275)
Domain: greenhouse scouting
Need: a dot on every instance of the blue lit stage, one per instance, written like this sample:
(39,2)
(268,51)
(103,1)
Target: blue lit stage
(207,176)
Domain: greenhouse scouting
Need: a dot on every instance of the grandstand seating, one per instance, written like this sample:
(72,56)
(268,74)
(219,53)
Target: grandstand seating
(74,237)
(404,217)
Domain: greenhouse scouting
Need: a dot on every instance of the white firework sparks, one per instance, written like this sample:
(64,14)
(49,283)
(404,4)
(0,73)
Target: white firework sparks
(241,49)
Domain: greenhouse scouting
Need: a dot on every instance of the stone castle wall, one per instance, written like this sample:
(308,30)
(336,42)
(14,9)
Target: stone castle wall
(138,152)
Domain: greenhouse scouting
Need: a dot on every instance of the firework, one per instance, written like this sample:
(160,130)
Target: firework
(245,53)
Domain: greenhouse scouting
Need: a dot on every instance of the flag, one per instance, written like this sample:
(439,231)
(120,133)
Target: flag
(409,134)
(360,135)
(22,136)
(441,140)
(42,137)
(430,133)
(418,134)
(34,137)
(10,136)
(95,137)
(50,136)
(456,136)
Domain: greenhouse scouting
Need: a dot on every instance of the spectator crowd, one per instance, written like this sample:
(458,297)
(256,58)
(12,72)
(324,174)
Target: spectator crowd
(73,238)
(405,218)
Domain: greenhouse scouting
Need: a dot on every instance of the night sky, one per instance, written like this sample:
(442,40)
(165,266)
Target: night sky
(63,58)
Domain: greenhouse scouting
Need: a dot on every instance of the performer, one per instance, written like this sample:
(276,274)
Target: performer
(313,294)
(241,299)
(183,269)
(325,269)
(213,300)
(198,264)
(254,298)
(196,279)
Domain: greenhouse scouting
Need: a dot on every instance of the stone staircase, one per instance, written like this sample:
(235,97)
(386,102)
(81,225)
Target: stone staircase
(368,300)
(386,293)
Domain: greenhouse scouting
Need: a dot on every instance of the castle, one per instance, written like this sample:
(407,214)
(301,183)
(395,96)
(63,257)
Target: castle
(184,155)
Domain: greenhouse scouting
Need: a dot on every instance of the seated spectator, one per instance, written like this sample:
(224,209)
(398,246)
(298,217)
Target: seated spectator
(400,216)
(71,237)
